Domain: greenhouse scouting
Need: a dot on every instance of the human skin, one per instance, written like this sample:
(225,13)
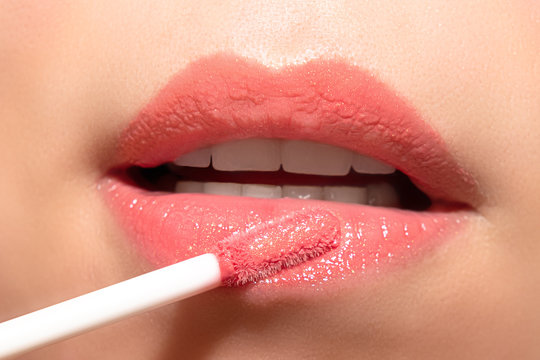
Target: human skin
(74,74)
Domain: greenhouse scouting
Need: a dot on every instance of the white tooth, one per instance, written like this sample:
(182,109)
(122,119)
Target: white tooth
(303,192)
(368,165)
(217,188)
(346,194)
(189,187)
(306,157)
(197,158)
(261,191)
(382,194)
(249,154)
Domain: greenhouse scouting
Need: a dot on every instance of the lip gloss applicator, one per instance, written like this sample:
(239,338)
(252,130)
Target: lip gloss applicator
(243,258)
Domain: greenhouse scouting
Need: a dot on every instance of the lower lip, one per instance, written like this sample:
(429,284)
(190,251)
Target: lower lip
(168,228)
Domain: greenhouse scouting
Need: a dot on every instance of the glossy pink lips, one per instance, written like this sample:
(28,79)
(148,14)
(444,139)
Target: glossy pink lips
(223,98)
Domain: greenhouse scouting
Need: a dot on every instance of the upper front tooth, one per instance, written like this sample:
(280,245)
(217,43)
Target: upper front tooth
(306,157)
(197,158)
(249,154)
(368,165)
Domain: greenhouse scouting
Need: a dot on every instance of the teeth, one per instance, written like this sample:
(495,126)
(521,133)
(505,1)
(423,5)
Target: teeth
(346,194)
(216,188)
(367,165)
(382,194)
(296,156)
(198,158)
(189,187)
(261,191)
(306,157)
(249,154)
(303,192)
(374,195)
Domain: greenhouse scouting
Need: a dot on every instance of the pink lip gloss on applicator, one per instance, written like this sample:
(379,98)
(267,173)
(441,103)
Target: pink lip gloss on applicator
(243,258)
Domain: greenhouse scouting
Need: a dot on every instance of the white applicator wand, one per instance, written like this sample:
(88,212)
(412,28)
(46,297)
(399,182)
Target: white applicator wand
(242,258)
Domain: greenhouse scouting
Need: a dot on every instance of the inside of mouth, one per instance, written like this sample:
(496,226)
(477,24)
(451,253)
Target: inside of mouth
(202,172)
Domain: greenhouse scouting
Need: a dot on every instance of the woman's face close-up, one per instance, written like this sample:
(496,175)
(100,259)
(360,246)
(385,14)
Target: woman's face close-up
(391,148)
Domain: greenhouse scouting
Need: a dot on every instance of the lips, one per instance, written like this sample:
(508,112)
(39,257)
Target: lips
(223,98)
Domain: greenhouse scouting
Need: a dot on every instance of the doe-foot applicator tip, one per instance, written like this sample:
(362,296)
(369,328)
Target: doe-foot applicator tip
(265,250)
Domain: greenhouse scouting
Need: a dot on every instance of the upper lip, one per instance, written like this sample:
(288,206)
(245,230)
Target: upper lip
(326,101)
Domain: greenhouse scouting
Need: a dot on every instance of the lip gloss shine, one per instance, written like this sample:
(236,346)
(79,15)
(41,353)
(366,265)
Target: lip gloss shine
(222,98)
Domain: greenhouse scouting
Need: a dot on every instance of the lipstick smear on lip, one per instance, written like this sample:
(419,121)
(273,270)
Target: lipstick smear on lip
(224,98)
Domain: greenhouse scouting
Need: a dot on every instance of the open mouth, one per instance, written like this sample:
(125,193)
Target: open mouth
(273,169)
(229,144)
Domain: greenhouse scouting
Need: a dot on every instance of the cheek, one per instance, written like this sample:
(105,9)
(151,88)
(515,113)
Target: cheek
(31,27)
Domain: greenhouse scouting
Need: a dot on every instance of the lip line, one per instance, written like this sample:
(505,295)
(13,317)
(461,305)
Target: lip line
(222,98)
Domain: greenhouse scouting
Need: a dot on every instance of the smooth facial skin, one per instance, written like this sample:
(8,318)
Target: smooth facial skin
(74,74)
